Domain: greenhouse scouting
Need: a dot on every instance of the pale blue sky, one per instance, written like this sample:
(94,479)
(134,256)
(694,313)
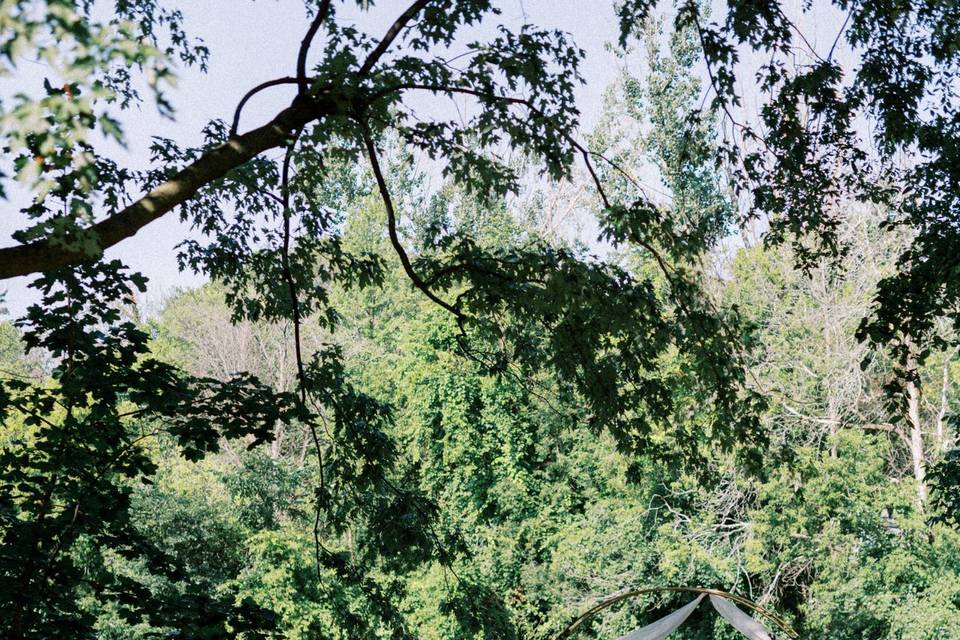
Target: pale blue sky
(252,41)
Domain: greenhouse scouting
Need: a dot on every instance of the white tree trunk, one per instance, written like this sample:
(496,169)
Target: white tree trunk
(916,443)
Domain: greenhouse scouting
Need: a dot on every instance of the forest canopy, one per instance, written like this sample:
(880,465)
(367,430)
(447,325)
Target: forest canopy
(461,372)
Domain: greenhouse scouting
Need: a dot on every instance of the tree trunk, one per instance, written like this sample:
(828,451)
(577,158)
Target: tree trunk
(916,443)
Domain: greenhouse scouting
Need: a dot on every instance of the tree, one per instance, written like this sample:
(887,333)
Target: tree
(273,238)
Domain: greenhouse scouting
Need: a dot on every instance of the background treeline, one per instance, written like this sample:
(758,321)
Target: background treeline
(832,525)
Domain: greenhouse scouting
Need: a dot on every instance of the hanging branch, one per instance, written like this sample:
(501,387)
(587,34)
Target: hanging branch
(668,272)
(392,226)
(585,153)
(298,350)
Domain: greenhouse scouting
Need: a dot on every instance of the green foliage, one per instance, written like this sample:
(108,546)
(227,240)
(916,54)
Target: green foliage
(527,426)
(68,476)
(807,151)
(946,481)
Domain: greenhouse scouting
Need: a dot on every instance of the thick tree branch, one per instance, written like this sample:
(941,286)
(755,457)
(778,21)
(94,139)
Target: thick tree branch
(45,255)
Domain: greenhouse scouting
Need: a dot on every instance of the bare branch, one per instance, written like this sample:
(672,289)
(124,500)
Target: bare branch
(391,35)
(257,89)
(943,442)
(794,412)
(322,12)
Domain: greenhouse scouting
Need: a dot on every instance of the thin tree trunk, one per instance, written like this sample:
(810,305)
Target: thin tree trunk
(916,443)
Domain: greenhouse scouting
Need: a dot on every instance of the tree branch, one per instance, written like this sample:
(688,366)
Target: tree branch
(46,255)
(573,142)
(392,226)
(391,35)
(664,266)
(322,12)
(257,89)
(297,322)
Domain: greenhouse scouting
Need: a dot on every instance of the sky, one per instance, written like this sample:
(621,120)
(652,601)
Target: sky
(256,40)
(252,41)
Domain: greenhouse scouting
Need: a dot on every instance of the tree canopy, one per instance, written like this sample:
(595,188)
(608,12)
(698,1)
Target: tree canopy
(426,395)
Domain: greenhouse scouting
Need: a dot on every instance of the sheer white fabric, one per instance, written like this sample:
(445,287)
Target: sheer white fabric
(665,625)
(743,623)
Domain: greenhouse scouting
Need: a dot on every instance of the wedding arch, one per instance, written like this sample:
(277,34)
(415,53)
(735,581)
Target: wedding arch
(723,602)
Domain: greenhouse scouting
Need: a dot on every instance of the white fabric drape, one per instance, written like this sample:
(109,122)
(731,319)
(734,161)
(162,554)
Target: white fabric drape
(743,623)
(665,625)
